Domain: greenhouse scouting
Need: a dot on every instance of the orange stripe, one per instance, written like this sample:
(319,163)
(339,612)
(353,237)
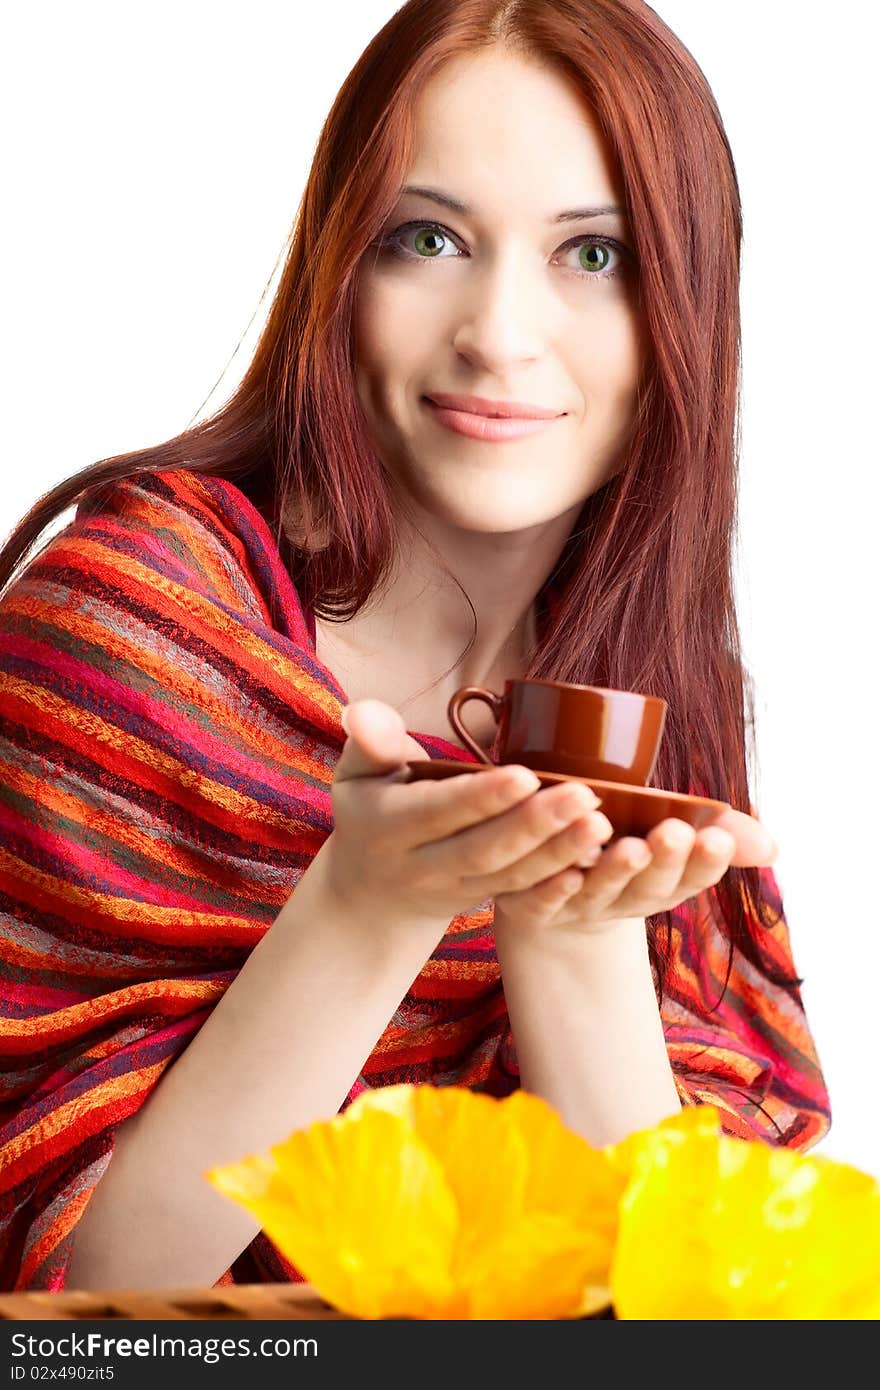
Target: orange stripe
(205,618)
(72,1113)
(167,671)
(152,921)
(62,717)
(52,1027)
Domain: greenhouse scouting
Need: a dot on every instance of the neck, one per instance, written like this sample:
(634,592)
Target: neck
(416,635)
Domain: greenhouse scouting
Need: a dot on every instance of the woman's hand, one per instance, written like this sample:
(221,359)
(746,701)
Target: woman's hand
(635,877)
(415,854)
(422,852)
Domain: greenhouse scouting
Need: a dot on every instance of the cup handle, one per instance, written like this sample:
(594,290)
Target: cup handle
(473,692)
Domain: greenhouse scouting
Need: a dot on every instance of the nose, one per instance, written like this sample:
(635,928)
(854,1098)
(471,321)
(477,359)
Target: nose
(501,315)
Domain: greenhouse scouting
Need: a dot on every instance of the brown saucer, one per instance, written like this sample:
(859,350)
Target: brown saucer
(631,810)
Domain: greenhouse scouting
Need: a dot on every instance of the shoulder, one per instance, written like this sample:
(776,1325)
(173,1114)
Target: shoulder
(179,537)
(164,602)
(181,526)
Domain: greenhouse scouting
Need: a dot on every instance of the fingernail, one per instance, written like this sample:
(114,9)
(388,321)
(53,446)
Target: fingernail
(345,720)
(591,857)
(718,841)
(676,836)
(593,798)
(601,825)
(567,808)
(522,782)
(588,798)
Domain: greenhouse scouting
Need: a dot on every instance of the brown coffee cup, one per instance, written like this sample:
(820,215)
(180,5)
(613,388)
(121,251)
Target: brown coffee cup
(576,730)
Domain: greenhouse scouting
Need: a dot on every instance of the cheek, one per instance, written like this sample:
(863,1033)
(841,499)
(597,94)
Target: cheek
(615,335)
(608,360)
(387,323)
(609,366)
(372,343)
(363,327)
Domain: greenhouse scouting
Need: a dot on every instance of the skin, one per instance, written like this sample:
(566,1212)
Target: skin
(512,318)
(503,310)
(508,307)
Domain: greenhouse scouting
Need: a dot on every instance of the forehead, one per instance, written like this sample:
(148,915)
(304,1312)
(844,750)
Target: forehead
(500,130)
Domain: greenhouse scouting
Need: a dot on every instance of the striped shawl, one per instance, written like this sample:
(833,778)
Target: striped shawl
(167,746)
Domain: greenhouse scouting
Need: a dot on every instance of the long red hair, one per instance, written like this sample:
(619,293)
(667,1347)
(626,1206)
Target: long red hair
(644,586)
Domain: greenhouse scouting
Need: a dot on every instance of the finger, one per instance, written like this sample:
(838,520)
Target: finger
(619,865)
(709,859)
(681,863)
(377,742)
(578,845)
(754,845)
(486,850)
(542,901)
(663,877)
(462,806)
(410,815)
(670,844)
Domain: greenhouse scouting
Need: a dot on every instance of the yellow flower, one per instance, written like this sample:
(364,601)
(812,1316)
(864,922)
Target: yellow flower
(716,1227)
(438,1202)
(640,1147)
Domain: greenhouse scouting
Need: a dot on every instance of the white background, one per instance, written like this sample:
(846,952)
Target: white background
(154,159)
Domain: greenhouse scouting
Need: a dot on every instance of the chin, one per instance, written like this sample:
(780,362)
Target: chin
(482,517)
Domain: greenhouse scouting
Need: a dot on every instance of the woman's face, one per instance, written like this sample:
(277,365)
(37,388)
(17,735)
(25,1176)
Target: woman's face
(504,301)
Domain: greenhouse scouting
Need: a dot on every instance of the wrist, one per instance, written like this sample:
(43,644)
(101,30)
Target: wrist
(622,939)
(605,968)
(369,915)
(588,1029)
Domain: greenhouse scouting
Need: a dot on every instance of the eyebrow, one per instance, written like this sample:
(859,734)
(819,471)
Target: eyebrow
(570,215)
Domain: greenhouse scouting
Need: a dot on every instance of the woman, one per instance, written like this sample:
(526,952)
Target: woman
(225,914)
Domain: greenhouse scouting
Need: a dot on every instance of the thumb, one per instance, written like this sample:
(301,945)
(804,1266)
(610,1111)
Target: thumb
(377,741)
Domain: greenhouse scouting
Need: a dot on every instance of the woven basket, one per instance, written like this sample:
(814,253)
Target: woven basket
(278,1302)
(295,1302)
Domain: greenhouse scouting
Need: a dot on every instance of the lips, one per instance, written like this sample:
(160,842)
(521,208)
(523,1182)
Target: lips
(486,428)
(498,410)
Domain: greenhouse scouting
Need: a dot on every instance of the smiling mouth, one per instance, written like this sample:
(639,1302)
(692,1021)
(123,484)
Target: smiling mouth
(496,428)
(491,410)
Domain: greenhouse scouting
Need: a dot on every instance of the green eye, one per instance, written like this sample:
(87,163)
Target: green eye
(430,238)
(593,248)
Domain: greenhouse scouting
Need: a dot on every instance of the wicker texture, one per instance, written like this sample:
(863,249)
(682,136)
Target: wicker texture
(292,1302)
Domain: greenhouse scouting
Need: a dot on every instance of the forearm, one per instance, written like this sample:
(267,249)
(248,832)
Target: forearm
(587,1028)
(281,1049)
